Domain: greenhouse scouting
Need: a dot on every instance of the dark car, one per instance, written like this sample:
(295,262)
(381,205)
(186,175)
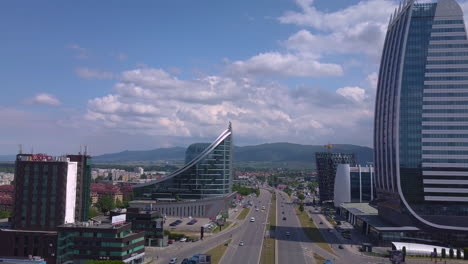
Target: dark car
(185,261)
(284,217)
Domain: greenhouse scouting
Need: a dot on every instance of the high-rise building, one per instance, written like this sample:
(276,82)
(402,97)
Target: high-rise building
(50,191)
(207,173)
(421,120)
(326,163)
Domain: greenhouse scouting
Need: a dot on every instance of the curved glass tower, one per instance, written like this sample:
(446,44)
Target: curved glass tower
(207,173)
(421,118)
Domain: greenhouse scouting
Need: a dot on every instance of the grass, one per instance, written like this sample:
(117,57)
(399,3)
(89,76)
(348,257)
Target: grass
(312,232)
(268,249)
(243,214)
(226,225)
(218,252)
(318,258)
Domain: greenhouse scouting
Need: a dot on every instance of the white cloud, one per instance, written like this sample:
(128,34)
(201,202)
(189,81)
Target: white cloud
(372,80)
(88,73)
(155,103)
(43,99)
(357,29)
(353,93)
(275,63)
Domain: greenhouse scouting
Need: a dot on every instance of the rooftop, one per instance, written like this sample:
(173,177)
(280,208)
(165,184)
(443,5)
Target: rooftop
(360,208)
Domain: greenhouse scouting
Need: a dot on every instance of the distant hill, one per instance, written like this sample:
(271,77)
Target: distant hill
(4,158)
(273,153)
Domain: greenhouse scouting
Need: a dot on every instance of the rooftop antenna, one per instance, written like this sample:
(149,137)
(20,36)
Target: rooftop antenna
(85,150)
(230,125)
(32,150)
(81,150)
(20,149)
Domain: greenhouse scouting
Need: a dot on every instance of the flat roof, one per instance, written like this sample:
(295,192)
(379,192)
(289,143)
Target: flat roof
(370,215)
(360,208)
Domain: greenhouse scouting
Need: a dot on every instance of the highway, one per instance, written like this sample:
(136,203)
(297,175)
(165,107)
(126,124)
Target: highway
(251,233)
(290,247)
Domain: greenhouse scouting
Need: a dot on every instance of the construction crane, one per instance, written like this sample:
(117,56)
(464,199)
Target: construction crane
(329,147)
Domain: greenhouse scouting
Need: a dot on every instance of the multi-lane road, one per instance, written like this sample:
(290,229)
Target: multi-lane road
(251,233)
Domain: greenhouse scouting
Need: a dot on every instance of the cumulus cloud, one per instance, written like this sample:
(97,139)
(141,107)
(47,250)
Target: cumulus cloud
(88,73)
(155,103)
(358,28)
(43,99)
(275,63)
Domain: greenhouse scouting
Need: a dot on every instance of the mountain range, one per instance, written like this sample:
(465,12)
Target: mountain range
(272,153)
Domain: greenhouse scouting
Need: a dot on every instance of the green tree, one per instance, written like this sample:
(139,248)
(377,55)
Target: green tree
(451,253)
(458,253)
(5,214)
(301,196)
(93,212)
(301,207)
(118,204)
(105,203)
(443,253)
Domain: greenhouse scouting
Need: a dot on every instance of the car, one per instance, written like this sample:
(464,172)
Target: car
(170,241)
(252,219)
(183,239)
(282,212)
(241,243)
(321,223)
(340,247)
(185,261)
(284,218)
(173,261)
(288,234)
(256,209)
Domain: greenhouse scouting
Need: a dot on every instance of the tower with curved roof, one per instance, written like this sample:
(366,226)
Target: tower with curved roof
(207,173)
(421,119)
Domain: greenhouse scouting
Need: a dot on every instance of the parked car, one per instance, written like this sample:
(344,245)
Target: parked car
(173,261)
(252,219)
(170,241)
(284,218)
(183,239)
(185,261)
(241,243)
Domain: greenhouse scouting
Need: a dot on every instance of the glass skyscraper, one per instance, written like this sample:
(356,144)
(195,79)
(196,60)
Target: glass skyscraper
(421,119)
(207,173)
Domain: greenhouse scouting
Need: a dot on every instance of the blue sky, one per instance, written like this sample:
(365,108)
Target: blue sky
(119,75)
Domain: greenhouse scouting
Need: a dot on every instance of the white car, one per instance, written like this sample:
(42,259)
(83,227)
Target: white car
(241,243)
(184,239)
(256,209)
(252,219)
(173,261)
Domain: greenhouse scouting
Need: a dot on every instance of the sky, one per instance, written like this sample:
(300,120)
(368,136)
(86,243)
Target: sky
(137,75)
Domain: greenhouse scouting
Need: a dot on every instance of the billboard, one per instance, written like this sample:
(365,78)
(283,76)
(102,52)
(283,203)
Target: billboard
(119,219)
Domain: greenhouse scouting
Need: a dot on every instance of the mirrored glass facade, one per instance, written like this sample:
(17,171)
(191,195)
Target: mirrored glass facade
(207,173)
(421,117)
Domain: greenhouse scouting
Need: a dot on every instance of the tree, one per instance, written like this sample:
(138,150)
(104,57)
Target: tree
(301,207)
(403,250)
(5,214)
(465,253)
(301,196)
(443,253)
(118,204)
(451,253)
(458,253)
(93,212)
(105,203)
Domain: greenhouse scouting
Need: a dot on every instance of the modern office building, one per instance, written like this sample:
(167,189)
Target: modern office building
(421,121)
(207,173)
(50,191)
(326,164)
(353,184)
(103,240)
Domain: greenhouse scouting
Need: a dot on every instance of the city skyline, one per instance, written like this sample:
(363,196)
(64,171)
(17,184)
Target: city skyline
(141,79)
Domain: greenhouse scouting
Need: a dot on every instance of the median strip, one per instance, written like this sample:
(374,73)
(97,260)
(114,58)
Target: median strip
(312,232)
(217,252)
(269,243)
(243,214)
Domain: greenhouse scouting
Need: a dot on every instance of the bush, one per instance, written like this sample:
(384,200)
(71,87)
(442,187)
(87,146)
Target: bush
(458,253)
(451,253)
(443,253)
(465,253)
